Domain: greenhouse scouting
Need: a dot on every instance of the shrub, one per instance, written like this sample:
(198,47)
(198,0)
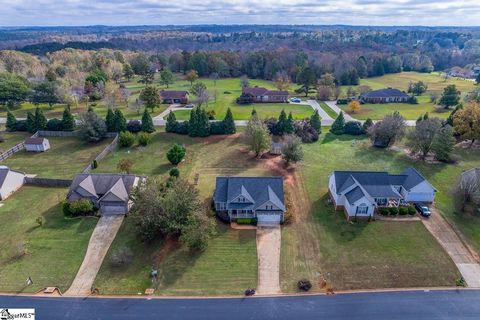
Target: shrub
(411,210)
(227,92)
(121,257)
(176,154)
(354,128)
(126,139)
(134,126)
(66,209)
(81,207)
(246,221)
(94,164)
(217,127)
(393,211)
(144,138)
(21,125)
(383,211)
(174,172)
(181,127)
(403,211)
(55,125)
(304,285)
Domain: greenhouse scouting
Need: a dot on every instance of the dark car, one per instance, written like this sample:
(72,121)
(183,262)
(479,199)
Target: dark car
(423,210)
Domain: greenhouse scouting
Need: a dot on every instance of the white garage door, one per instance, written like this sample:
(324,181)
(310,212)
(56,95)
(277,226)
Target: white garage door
(420,197)
(268,218)
(113,210)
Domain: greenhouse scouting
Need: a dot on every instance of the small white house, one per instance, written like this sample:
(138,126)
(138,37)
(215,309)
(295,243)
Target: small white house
(10,181)
(359,193)
(37,144)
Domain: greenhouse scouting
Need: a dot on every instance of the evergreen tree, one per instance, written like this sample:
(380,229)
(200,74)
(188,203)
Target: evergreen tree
(450,96)
(367,124)
(450,117)
(338,126)
(203,124)
(193,123)
(229,123)
(425,116)
(172,123)
(11,121)
(316,122)
(290,124)
(110,120)
(420,118)
(40,120)
(68,122)
(282,123)
(254,112)
(120,121)
(443,144)
(31,127)
(147,122)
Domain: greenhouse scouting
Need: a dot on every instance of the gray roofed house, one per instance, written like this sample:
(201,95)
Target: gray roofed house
(384,96)
(250,197)
(262,95)
(360,192)
(10,181)
(108,192)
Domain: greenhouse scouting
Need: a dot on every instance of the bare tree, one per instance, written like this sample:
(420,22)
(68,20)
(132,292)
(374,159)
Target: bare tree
(467,190)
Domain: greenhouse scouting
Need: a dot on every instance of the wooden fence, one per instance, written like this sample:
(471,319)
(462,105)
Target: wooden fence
(111,147)
(11,151)
(47,182)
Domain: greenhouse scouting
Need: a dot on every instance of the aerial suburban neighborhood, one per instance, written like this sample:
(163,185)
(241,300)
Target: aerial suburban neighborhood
(148,168)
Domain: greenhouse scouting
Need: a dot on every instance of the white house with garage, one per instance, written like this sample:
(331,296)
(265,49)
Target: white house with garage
(10,181)
(358,193)
(260,198)
(37,144)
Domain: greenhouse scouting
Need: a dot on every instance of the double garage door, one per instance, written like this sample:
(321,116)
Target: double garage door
(269,218)
(420,197)
(114,210)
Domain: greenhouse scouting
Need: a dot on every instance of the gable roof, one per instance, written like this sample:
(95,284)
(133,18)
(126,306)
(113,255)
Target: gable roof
(413,178)
(4,172)
(354,194)
(259,190)
(260,91)
(173,94)
(385,93)
(100,185)
(34,141)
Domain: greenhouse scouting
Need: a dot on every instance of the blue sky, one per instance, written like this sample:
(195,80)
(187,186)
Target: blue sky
(158,12)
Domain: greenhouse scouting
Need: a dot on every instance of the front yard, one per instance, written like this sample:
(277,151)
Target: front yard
(67,157)
(378,254)
(51,253)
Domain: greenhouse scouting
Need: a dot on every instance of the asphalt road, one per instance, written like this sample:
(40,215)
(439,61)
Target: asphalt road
(461,304)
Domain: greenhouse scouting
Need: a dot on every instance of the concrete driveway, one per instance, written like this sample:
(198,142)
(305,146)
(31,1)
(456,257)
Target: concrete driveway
(100,241)
(268,255)
(453,245)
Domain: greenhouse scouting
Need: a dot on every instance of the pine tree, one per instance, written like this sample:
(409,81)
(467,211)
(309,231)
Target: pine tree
(40,120)
(203,124)
(120,121)
(31,127)
(420,118)
(147,122)
(254,112)
(172,122)
(229,123)
(425,116)
(68,122)
(338,126)
(110,120)
(282,123)
(11,121)
(193,123)
(290,124)
(443,144)
(316,122)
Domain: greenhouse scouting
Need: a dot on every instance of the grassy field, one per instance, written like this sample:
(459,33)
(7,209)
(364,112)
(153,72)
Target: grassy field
(328,110)
(358,255)
(12,139)
(67,157)
(52,253)
(229,264)
(400,81)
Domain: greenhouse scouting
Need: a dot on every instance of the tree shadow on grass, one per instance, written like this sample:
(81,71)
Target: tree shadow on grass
(330,137)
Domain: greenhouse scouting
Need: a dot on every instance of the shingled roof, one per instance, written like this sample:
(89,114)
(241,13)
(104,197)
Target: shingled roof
(172,94)
(34,141)
(385,93)
(260,91)
(99,186)
(256,191)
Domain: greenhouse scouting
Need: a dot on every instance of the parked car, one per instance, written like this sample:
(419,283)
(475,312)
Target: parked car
(295,100)
(423,210)
(190,106)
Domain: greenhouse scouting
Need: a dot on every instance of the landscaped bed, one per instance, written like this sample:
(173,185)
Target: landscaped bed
(50,253)
(67,157)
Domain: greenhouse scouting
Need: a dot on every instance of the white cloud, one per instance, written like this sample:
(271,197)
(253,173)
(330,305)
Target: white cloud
(130,12)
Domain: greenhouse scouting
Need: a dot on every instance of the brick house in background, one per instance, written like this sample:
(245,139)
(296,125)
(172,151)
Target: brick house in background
(172,96)
(384,96)
(262,95)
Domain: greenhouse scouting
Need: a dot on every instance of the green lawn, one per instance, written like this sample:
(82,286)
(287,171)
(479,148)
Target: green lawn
(360,255)
(12,139)
(52,253)
(328,110)
(67,157)
(228,266)
(407,110)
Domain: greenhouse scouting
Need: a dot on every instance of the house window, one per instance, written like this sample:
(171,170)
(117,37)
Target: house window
(362,209)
